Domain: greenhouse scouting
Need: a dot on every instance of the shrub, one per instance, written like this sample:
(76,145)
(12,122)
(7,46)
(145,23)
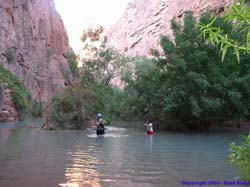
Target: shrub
(71,108)
(72,61)
(37,109)
(20,95)
(240,157)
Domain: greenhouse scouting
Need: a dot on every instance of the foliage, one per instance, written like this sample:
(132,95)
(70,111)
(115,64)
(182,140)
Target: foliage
(199,89)
(92,92)
(92,34)
(102,70)
(240,157)
(142,98)
(99,64)
(239,15)
(71,109)
(20,95)
(107,100)
(93,40)
(80,102)
(72,61)
(188,84)
(37,109)
(98,74)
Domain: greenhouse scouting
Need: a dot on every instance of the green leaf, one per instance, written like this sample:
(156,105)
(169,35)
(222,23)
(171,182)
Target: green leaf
(224,52)
(237,53)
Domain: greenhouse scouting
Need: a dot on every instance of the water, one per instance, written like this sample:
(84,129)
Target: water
(30,157)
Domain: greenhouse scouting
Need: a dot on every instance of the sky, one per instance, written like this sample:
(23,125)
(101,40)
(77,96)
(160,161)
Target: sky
(78,15)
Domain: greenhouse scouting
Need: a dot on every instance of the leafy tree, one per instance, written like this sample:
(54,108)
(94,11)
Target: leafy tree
(93,40)
(198,88)
(72,61)
(93,92)
(239,15)
(102,70)
(98,75)
(99,64)
(240,157)
(188,85)
(143,98)
(37,109)
(71,108)
(108,100)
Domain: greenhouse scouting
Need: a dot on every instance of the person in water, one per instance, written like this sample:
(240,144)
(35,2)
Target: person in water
(100,122)
(149,127)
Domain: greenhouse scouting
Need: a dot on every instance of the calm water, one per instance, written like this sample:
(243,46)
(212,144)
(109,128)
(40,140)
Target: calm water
(30,157)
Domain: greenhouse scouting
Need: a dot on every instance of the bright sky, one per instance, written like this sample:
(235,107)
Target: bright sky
(78,15)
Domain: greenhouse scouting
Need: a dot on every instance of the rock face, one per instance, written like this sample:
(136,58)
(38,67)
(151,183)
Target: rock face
(34,45)
(139,28)
(7,111)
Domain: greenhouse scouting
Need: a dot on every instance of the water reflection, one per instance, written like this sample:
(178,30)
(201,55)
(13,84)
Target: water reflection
(4,136)
(150,139)
(121,158)
(82,172)
(100,139)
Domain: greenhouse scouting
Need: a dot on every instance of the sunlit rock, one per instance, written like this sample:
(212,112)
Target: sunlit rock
(34,45)
(139,28)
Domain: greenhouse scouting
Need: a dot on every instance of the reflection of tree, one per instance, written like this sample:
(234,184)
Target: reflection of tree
(83,171)
(150,142)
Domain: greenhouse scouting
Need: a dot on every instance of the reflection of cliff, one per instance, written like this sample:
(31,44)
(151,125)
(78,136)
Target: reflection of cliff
(34,45)
(139,28)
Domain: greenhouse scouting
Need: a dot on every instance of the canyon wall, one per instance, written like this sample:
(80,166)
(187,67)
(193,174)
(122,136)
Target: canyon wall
(34,45)
(139,28)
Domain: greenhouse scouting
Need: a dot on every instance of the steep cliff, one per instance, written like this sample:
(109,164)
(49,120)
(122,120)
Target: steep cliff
(34,45)
(139,28)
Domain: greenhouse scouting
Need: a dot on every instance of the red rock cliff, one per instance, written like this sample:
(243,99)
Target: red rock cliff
(139,28)
(34,45)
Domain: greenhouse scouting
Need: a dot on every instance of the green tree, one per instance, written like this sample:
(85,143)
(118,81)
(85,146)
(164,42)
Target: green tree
(99,64)
(199,89)
(72,108)
(73,64)
(93,41)
(188,85)
(92,92)
(239,15)
(102,70)
(143,98)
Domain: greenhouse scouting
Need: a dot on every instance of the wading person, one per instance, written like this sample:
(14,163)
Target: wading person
(149,127)
(100,122)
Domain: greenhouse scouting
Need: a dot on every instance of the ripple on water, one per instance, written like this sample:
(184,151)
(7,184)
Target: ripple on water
(111,135)
(120,158)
